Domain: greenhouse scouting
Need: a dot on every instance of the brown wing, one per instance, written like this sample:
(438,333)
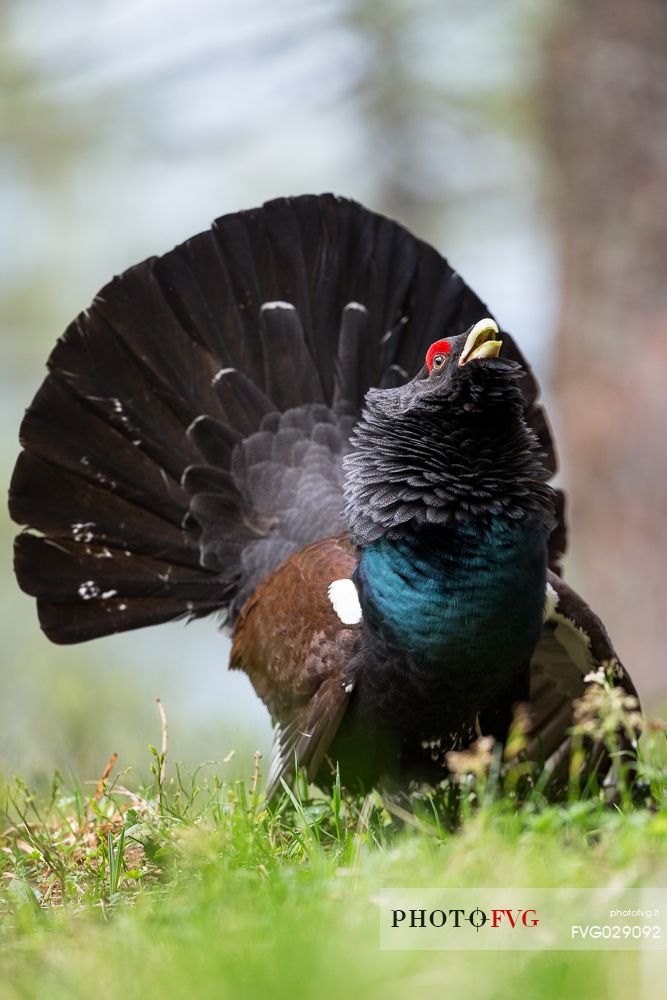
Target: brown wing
(573,644)
(295,650)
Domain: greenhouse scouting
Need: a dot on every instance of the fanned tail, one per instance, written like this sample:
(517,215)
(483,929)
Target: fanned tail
(189,434)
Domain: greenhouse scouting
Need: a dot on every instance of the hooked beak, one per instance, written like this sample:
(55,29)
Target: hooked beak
(481,342)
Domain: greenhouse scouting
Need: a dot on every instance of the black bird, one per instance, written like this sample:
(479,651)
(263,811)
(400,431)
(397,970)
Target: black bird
(302,421)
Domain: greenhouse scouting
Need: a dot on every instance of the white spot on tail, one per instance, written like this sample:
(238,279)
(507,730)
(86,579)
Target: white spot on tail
(277,305)
(89,590)
(214,381)
(356,305)
(83,531)
(345,601)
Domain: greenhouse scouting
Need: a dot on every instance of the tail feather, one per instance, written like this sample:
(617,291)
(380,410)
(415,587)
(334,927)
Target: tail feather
(354,361)
(208,479)
(190,432)
(242,404)
(289,368)
(60,430)
(106,377)
(66,508)
(136,576)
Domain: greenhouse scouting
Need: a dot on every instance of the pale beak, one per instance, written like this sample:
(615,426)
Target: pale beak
(481,342)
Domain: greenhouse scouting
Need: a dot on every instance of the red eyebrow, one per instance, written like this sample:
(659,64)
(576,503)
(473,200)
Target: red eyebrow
(440,347)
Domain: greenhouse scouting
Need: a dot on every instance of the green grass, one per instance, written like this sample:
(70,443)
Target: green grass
(194,886)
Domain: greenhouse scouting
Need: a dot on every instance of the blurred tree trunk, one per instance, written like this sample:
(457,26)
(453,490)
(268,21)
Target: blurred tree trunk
(396,112)
(605,106)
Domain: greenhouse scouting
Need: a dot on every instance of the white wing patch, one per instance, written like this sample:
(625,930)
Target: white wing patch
(571,638)
(575,642)
(550,603)
(345,601)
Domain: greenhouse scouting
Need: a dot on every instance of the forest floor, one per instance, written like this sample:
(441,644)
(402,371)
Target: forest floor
(193,886)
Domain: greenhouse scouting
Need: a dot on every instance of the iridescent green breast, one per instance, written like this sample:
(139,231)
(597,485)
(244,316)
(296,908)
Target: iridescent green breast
(465,598)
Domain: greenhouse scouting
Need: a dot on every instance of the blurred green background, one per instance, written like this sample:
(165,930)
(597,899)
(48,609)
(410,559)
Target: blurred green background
(524,139)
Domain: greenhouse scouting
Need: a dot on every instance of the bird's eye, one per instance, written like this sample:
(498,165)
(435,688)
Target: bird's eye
(436,355)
